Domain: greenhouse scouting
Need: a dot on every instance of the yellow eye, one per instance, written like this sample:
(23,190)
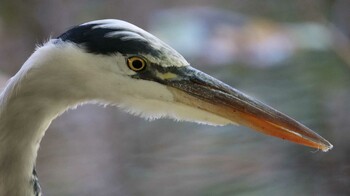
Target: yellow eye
(136,63)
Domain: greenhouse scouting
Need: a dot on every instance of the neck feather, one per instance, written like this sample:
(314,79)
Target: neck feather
(37,94)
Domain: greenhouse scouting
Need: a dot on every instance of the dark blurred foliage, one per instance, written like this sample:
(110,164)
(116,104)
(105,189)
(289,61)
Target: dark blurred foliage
(103,151)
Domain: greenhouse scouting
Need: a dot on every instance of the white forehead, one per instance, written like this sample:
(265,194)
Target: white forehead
(169,57)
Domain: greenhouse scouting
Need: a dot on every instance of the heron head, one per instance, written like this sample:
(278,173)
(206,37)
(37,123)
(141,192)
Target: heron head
(147,77)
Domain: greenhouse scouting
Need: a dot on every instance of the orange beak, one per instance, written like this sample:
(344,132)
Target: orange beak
(197,89)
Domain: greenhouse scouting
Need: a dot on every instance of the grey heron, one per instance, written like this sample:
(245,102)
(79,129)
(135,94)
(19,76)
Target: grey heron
(114,62)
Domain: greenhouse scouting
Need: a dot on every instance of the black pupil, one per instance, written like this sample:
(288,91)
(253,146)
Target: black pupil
(137,64)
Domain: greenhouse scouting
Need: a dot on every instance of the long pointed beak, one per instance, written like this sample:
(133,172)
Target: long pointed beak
(197,89)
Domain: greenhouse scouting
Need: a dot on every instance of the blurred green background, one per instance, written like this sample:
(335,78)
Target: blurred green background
(293,55)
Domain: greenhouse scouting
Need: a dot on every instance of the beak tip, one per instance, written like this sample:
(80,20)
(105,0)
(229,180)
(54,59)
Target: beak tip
(328,146)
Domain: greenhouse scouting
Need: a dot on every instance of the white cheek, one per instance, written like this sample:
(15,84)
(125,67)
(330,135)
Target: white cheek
(120,66)
(151,100)
(146,90)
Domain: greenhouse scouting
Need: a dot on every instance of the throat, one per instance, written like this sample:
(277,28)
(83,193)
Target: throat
(25,114)
(23,122)
(47,84)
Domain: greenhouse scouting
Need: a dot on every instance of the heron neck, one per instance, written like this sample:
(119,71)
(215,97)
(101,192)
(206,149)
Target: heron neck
(23,122)
(28,104)
(55,78)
